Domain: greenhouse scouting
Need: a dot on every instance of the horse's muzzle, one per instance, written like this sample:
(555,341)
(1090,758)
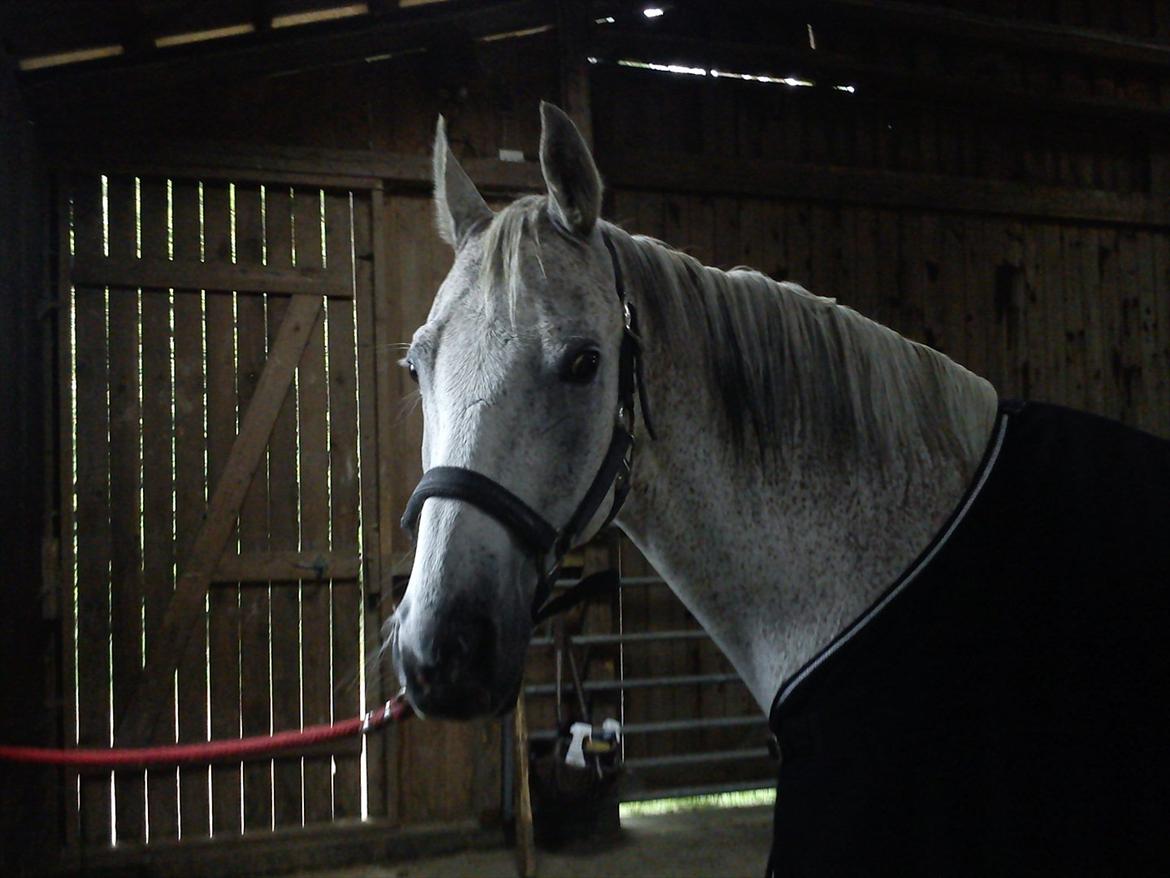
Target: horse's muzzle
(453,676)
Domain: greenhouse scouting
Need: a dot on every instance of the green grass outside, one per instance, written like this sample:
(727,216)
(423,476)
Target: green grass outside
(743,799)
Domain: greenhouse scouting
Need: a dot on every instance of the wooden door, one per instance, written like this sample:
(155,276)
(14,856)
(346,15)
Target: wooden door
(218,528)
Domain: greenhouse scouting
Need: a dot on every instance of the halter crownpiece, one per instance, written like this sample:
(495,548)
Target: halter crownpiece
(547,544)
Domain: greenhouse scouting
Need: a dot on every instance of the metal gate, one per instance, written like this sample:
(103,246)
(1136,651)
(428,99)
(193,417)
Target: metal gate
(690,725)
(216,384)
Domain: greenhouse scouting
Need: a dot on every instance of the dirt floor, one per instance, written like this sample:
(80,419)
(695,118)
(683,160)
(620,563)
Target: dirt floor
(728,843)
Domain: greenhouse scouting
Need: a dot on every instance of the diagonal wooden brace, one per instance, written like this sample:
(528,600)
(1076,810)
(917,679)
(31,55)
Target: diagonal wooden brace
(185,609)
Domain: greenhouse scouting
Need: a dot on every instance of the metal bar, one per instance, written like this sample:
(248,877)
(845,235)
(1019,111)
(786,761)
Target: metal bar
(626,580)
(697,758)
(540,689)
(638,637)
(678,725)
(741,786)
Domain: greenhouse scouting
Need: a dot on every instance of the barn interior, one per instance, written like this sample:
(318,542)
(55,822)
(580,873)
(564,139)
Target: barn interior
(216,230)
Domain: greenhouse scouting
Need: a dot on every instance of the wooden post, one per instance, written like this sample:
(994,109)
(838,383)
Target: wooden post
(573,23)
(525,843)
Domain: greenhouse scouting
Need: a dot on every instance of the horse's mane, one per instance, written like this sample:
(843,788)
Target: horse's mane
(786,368)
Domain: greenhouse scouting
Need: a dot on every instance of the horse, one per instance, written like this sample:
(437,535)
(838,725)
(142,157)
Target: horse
(951,606)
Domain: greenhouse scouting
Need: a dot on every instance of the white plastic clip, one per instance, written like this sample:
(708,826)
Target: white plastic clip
(576,754)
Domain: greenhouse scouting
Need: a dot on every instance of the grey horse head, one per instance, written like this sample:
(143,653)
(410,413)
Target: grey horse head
(517,366)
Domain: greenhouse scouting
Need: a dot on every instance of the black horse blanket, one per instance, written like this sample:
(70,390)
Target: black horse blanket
(1002,709)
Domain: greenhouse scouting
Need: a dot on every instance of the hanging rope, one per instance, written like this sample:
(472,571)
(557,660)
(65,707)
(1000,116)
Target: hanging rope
(395,710)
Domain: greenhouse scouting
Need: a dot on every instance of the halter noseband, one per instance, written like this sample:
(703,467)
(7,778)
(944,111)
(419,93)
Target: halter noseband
(546,544)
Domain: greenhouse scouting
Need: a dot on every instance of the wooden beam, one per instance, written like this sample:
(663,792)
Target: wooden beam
(155,683)
(881,83)
(278,51)
(688,173)
(712,175)
(157,273)
(341,168)
(286,567)
(324,846)
(1031,36)
(525,842)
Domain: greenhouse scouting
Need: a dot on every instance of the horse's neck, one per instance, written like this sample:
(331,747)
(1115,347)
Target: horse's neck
(774,567)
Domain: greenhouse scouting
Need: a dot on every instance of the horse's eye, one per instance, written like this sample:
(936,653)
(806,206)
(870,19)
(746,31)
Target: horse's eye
(583,366)
(413,372)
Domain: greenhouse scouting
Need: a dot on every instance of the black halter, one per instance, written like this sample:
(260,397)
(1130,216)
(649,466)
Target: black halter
(547,544)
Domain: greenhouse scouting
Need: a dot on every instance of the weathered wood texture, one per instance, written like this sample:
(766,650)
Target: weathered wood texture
(1072,314)
(217,472)
(444,770)
(30,712)
(1032,248)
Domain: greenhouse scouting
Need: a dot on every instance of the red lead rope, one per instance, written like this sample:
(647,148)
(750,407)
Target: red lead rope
(395,710)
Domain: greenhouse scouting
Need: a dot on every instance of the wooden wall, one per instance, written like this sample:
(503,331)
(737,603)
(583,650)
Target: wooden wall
(29,797)
(1001,204)
(1073,313)
(1047,306)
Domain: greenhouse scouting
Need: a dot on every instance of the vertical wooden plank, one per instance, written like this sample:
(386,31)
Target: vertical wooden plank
(993,312)
(888,293)
(251,349)
(369,275)
(1128,373)
(865,260)
(1014,299)
(841,250)
(987,315)
(190,497)
(797,226)
(223,624)
(283,534)
(825,248)
(525,843)
(1072,245)
(158,430)
(125,476)
(92,582)
(952,286)
(1033,362)
(65,475)
(313,451)
(429,790)
(396,314)
(1053,262)
(910,320)
(1152,403)
(1089,279)
(343,498)
(977,293)
(758,241)
(1160,363)
(933,307)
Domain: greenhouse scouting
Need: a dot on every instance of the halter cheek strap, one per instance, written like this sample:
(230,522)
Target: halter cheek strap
(546,544)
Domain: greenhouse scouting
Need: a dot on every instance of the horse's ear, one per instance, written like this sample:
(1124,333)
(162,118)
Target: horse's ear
(574,186)
(459,207)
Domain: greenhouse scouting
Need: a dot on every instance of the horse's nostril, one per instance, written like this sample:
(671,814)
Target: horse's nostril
(453,674)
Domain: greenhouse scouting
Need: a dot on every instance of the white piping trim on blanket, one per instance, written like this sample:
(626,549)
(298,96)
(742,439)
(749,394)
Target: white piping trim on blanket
(907,577)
